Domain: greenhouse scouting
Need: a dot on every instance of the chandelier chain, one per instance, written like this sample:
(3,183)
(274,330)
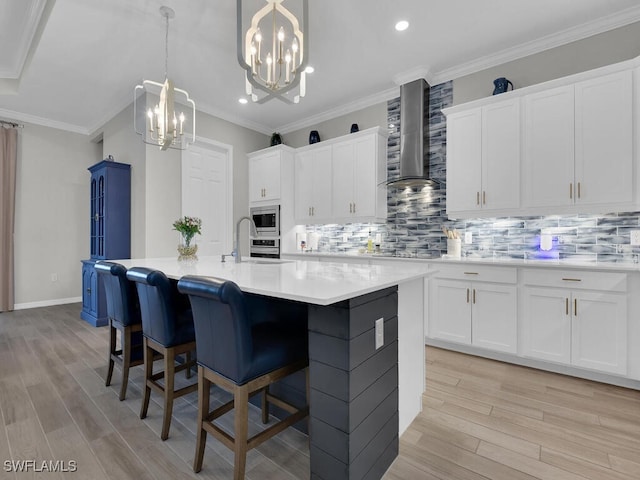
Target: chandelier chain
(166,48)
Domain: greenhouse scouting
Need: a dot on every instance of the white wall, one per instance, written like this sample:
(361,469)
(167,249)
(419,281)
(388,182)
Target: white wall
(52,214)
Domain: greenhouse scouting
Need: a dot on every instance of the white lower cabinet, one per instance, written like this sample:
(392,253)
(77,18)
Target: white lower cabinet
(577,319)
(475,312)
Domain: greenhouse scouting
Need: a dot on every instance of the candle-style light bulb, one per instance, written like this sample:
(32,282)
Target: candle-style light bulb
(269,62)
(294,49)
(258,38)
(281,34)
(150,115)
(287,70)
(181,123)
(280,41)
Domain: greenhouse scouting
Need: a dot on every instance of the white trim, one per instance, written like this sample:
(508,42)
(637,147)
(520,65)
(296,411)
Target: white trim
(44,122)
(580,32)
(47,303)
(25,43)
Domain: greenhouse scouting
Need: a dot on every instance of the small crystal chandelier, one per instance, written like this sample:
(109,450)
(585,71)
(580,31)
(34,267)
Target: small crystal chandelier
(283,67)
(163,126)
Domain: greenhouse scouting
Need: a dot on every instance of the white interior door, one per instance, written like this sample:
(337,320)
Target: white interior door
(207,192)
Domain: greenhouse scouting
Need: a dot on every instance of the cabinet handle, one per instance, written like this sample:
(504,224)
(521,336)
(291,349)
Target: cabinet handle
(309,211)
(474,296)
(566,306)
(571,191)
(471,273)
(97,218)
(572,279)
(89,291)
(484,197)
(477,198)
(354,207)
(467,295)
(313,211)
(575,307)
(578,189)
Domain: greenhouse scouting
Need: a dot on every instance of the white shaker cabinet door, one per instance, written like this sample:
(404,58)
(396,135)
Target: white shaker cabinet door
(548,152)
(604,139)
(264,177)
(546,325)
(599,331)
(451,314)
(501,155)
(464,161)
(494,317)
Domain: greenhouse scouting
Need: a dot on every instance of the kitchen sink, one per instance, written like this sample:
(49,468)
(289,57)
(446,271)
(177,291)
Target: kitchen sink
(267,262)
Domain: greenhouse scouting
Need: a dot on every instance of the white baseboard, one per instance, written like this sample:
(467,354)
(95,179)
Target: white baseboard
(46,303)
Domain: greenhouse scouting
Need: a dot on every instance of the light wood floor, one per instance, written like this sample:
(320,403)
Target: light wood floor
(481,420)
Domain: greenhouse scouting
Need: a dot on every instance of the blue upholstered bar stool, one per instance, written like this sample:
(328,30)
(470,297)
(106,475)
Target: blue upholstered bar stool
(123,311)
(245,343)
(168,329)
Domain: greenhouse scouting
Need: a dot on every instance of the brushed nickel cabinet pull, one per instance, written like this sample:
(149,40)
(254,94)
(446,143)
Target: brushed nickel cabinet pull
(575,307)
(572,279)
(474,295)
(578,189)
(354,207)
(477,198)
(566,306)
(471,273)
(309,211)
(484,197)
(467,295)
(313,211)
(571,191)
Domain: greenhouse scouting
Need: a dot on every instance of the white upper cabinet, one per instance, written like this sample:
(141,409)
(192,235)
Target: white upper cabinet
(313,191)
(359,170)
(483,159)
(604,140)
(579,144)
(561,147)
(265,173)
(341,180)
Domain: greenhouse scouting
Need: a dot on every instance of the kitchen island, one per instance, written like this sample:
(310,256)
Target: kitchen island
(366,350)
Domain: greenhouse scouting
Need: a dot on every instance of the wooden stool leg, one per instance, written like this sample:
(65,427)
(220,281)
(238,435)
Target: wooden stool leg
(126,360)
(265,405)
(148,372)
(112,350)
(241,424)
(169,377)
(188,372)
(204,388)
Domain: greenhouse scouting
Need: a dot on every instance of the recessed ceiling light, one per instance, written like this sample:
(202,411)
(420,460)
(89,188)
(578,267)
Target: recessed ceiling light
(309,69)
(402,25)
(243,100)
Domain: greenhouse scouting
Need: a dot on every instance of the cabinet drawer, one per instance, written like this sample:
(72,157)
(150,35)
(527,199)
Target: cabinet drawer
(576,279)
(477,273)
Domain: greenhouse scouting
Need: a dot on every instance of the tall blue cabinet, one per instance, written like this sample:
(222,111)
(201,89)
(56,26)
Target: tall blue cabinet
(110,236)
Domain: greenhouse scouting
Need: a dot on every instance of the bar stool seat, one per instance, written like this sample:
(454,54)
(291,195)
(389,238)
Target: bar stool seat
(168,329)
(123,311)
(245,343)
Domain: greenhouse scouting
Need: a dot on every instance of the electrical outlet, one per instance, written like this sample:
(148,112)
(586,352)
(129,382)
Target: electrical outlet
(345,237)
(468,238)
(379,333)
(54,277)
(635,237)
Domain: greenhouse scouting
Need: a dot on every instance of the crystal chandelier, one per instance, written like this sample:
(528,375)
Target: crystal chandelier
(163,125)
(274,51)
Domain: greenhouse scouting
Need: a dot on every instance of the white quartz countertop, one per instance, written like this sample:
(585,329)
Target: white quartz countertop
(501,261)
(321,283)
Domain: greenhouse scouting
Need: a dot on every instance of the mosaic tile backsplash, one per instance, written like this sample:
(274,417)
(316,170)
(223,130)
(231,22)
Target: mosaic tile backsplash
(415,216)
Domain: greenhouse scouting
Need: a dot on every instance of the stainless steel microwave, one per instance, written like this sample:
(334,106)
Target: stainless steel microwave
(267,220)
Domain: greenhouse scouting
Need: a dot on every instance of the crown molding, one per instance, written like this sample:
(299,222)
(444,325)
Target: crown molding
(344,109)
(44,122)
(420,72)
(580,32)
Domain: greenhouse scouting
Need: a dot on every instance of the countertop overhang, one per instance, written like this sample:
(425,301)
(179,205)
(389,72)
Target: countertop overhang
(320,283)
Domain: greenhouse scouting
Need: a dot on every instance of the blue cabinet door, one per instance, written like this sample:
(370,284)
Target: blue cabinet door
(94,306)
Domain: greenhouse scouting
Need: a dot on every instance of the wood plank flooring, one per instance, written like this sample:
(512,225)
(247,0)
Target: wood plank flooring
(481,420)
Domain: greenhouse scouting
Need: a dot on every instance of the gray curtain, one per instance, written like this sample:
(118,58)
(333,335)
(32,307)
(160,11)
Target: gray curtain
(8,162)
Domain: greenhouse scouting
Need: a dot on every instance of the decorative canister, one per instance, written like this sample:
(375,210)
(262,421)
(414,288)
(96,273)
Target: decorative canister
(314,137)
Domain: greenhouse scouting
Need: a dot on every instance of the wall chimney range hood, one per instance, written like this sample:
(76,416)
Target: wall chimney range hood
(414,140)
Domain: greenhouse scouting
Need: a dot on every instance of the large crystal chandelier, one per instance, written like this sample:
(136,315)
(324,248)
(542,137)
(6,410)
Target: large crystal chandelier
(274,51)
(163,125)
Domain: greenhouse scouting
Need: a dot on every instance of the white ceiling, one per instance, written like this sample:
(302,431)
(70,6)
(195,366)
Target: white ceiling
(73,63)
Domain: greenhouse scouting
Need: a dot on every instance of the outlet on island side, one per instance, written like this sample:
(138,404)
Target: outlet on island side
(379,333)
(635,237)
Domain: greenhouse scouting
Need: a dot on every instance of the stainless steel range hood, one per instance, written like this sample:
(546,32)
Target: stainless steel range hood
(414,140)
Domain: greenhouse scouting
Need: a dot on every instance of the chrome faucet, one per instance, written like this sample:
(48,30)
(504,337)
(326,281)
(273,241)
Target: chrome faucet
(236,245)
